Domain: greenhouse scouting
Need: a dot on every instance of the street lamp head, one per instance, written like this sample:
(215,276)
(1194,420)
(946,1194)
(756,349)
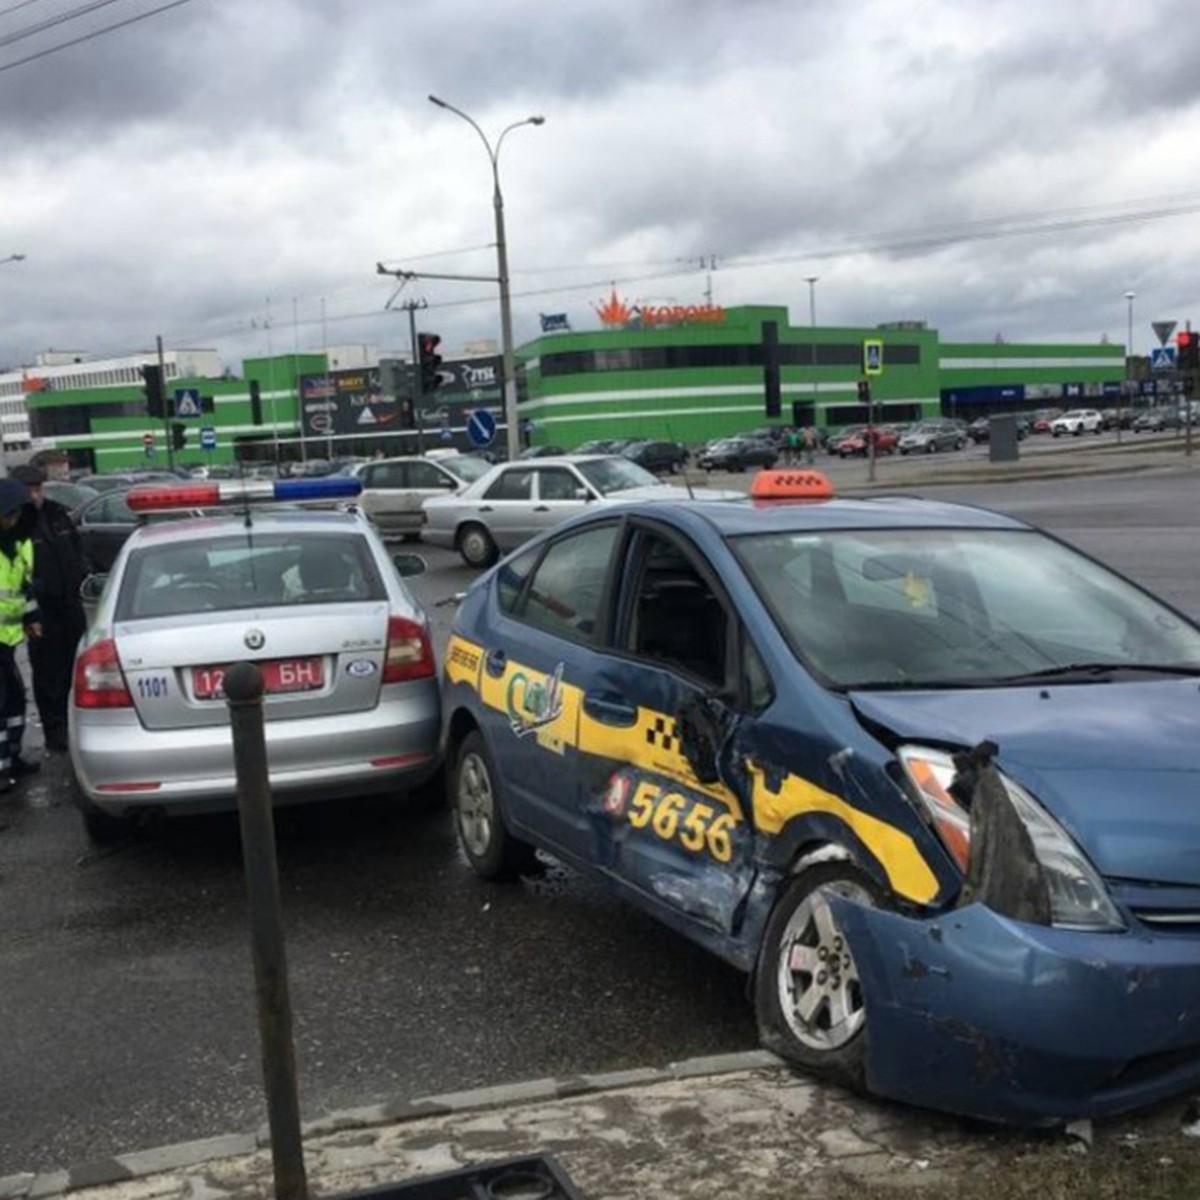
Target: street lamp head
(1131,295)
(18,258)
(536,120)
(439,103)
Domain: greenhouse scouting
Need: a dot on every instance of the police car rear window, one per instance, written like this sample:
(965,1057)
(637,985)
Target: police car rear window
(253,570)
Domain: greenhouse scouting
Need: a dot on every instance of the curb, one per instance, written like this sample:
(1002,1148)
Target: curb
(983,476)
(123,1168)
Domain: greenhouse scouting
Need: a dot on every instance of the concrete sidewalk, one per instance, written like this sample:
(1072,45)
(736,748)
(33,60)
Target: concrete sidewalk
(737,1125)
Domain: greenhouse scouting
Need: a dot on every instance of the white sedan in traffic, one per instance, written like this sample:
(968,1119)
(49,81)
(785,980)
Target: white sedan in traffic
(1077,421)
(518,500)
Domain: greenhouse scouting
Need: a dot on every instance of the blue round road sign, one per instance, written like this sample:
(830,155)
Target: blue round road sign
(481,427)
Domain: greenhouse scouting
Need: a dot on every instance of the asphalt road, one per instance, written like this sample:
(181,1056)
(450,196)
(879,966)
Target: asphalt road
(125,982)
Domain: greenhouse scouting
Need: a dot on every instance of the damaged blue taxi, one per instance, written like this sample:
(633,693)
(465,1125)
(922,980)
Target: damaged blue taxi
(930,776)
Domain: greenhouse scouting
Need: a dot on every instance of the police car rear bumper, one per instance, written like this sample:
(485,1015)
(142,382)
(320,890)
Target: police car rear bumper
(123,768)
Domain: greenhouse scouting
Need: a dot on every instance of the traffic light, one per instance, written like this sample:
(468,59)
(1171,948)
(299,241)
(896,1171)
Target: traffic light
(428,362)
(178,436)
(156,398)
(864,391)
(255,403)
(1187,346)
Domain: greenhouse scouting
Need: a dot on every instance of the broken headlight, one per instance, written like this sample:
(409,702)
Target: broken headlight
(1016,857)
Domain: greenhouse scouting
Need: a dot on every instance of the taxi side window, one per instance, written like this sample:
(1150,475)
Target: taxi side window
(757,691)
(386,475)
(677,621)
(567,590)
(512,485)
(511,576)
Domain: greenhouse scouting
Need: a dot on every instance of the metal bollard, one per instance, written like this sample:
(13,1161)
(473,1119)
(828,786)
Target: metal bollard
(244,692)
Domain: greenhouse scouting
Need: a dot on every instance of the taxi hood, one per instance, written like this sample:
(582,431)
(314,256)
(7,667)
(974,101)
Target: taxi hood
(1118,764)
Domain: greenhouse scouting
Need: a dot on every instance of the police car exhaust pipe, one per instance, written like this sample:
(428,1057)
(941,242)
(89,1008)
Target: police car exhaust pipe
(244,692)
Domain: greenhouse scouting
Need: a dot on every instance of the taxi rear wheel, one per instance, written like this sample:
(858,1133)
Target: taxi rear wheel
(809,997)
(477,546)
(475,793)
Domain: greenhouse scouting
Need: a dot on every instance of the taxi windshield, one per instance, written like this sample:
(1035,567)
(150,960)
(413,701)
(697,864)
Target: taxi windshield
(894,608)
(608,475)
(258,570)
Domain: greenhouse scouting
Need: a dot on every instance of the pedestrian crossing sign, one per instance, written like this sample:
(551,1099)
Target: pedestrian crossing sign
(872,356)
(187,402)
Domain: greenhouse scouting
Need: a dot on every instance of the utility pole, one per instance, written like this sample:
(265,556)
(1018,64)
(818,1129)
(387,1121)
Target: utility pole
(414,382)
(162,374)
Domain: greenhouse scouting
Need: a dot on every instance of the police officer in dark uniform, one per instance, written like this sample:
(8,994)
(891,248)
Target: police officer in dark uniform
(19,618)
(58,570)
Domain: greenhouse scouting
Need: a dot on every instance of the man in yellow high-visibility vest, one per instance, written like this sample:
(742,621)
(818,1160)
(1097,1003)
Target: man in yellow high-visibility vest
(19,617)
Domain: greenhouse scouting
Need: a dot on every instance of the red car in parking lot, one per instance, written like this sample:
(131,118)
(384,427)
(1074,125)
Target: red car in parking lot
(886,440)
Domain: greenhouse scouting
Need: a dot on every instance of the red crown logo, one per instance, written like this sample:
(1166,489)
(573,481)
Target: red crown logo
(614,311)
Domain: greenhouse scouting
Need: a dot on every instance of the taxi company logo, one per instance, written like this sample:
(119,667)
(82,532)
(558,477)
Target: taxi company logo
(533,704)
(254,639)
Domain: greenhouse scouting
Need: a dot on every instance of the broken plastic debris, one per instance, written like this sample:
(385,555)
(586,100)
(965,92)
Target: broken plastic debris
(1081,1132)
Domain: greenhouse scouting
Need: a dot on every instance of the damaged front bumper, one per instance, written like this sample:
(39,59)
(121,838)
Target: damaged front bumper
(980,1015)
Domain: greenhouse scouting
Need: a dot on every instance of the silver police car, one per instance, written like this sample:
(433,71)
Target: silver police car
(312,598)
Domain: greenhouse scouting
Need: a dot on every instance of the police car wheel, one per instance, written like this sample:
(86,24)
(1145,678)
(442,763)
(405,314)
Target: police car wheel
(479,818)
(809,998)
(476,546)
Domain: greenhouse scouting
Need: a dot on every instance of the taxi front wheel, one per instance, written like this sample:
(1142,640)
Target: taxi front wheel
(808,995)
(491,850)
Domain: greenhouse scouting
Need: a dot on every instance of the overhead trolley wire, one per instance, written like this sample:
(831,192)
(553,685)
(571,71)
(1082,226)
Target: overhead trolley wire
(87,37)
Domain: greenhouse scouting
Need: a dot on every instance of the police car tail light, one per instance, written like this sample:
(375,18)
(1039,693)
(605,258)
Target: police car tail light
(931,773)
(409,652)
(99,680)
(239,492)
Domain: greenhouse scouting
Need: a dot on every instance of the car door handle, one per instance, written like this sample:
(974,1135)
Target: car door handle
(485,508)
(495,662)
(541,508)
(610,708)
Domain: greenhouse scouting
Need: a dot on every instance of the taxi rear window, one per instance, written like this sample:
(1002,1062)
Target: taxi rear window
(252,570)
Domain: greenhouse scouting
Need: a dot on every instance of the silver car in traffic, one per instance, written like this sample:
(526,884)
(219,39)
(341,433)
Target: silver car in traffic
(312,599)
(516,501)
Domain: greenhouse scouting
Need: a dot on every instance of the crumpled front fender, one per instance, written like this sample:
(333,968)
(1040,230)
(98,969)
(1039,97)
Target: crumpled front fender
(981,1015)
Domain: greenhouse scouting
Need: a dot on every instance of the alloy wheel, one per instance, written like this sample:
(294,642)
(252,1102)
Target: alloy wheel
(820,995)
(476,804)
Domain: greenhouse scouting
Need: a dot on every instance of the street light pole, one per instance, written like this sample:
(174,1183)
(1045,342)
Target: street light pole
(12,258)
(510,375)
(1129,299)
(811,280)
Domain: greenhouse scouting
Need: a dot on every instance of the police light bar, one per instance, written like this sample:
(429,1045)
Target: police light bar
(791,485)
(153,497)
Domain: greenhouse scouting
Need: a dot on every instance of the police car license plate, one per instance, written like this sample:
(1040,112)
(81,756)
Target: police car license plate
(279,675)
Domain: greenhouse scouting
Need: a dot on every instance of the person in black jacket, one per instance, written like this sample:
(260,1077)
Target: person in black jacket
(58,570)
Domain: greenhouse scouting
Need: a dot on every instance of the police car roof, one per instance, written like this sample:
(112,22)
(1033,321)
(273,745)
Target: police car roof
(740,517)
(265,518)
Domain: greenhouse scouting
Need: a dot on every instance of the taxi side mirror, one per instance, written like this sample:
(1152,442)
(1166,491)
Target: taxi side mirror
(582,493)
(701,725)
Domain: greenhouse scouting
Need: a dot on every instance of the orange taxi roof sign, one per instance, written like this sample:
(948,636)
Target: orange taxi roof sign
(791,484)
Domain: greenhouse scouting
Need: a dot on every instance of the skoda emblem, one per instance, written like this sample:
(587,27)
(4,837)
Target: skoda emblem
(254,639)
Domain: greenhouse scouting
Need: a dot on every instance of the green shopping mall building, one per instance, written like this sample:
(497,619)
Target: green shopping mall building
(687,374)
(694,374)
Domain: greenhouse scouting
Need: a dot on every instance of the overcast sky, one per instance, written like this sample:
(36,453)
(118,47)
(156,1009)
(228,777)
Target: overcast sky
(229,159)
